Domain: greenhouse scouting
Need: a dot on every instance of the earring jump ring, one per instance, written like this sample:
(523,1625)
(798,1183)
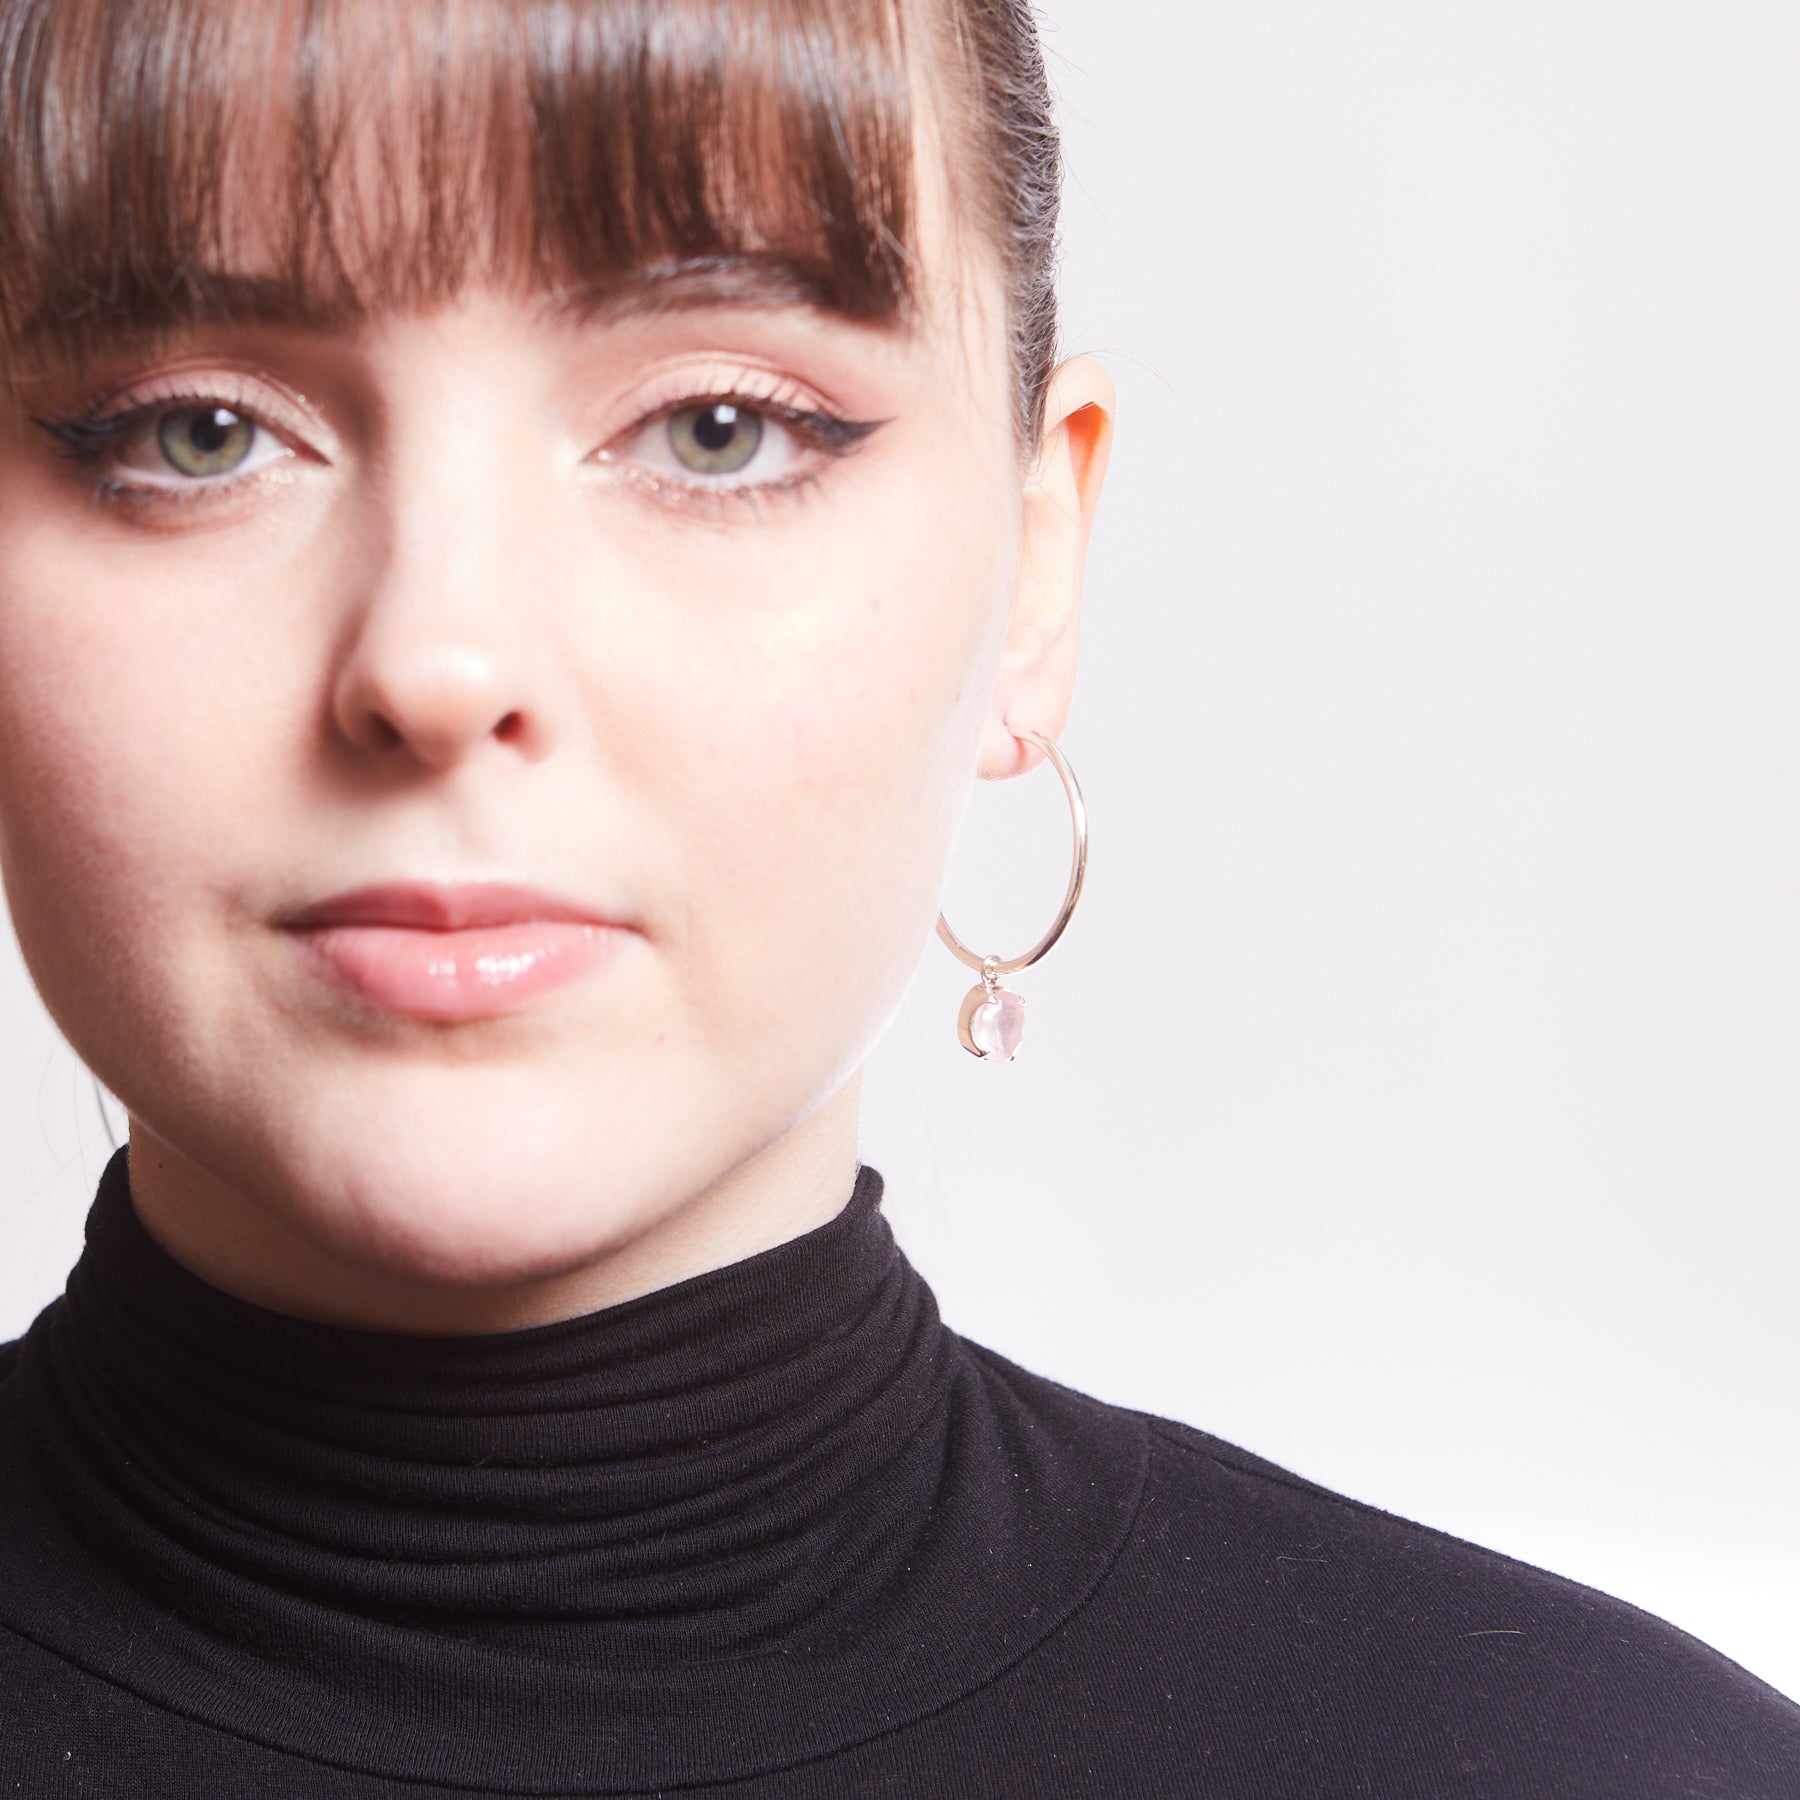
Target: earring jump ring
(1078,811)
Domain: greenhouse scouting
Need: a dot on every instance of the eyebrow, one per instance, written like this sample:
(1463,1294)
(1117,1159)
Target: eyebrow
(756,281)
(145,308)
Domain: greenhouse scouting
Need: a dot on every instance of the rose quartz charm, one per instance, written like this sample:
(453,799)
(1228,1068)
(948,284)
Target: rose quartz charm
(991,1025)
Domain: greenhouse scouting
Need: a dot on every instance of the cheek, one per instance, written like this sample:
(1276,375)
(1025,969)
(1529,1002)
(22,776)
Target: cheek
(829,725)
(127,755)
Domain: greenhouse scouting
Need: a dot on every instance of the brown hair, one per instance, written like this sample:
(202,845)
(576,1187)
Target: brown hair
(572,144)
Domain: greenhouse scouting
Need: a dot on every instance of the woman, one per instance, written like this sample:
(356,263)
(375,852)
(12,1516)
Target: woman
(520,521)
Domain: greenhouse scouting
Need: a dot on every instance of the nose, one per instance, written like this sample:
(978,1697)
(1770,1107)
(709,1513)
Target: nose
(433,690)
(446,653)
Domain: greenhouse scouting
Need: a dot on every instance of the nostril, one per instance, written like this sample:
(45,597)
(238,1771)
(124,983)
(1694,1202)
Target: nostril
(509,728)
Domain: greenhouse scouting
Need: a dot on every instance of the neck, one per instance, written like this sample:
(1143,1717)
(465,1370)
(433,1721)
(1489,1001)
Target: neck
(278,1253)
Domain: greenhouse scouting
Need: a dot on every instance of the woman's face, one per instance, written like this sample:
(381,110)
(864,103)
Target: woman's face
(502,595)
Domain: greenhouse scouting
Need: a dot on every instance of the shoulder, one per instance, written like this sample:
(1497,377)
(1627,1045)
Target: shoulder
(1259,1609)
(1386,1572)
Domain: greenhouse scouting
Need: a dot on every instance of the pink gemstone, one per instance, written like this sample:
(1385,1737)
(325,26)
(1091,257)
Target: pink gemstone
(998,1025)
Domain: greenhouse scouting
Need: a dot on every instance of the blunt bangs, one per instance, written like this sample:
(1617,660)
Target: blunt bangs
(163,161)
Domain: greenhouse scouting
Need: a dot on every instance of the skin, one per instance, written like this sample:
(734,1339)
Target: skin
(469,623)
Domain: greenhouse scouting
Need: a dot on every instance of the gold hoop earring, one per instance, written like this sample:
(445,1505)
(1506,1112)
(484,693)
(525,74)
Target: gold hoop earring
(991,1023)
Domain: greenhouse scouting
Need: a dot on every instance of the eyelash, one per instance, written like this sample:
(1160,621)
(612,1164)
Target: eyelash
(826,433)
(87,437)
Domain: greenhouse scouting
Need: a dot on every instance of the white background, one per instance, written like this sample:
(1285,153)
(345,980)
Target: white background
(1412,1099)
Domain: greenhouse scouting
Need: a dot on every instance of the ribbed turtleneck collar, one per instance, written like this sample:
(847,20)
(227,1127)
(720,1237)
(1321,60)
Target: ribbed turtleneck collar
(574,1552)
(688,1468)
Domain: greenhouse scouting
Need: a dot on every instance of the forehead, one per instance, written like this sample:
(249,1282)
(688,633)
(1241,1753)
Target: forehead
(321,161)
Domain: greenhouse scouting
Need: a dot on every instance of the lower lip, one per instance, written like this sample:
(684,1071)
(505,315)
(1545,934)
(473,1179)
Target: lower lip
(470,974)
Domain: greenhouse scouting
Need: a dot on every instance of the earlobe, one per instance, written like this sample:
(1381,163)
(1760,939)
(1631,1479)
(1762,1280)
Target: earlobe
(1036,678)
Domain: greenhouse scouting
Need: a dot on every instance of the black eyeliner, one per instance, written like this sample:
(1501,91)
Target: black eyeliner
(85,438)
(832,434)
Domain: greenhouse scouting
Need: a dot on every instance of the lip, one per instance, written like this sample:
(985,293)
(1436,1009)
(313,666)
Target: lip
(444,906)
(433,950)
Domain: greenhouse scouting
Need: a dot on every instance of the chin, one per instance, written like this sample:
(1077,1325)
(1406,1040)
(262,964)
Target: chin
(504,1177)
(483,1219)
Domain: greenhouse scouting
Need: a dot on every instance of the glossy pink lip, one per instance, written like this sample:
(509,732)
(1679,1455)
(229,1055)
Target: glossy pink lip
(431,951)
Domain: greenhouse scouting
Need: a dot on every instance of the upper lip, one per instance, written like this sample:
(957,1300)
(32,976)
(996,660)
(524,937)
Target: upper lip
(443,906)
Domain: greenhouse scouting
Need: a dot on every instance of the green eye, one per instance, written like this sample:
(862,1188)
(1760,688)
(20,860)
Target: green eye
(715,439)
(205,440)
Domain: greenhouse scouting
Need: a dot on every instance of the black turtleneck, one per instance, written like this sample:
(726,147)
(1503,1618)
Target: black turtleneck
(774,1531)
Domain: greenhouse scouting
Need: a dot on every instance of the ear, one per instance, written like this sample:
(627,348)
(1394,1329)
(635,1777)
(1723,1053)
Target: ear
(1036,677)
